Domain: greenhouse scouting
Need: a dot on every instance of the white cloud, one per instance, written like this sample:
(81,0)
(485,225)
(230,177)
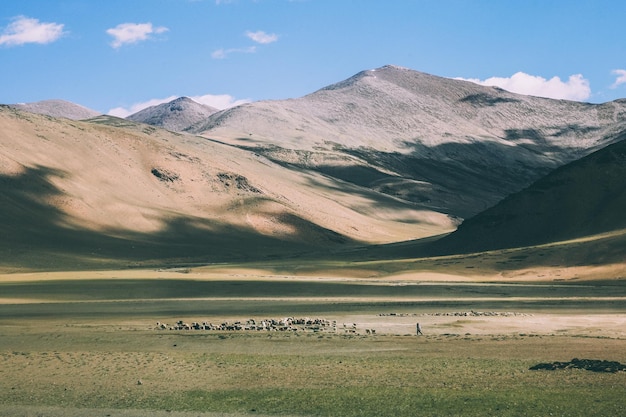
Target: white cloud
(575,88)
(28,30)
(223,53)
(218,54)
(125,33)
(258,37)
(621,77)
(262,37)
(124,112)
(221,101)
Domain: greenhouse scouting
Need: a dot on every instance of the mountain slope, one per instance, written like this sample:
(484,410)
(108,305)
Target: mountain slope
(586,197)
(388,155)
(176,115)
(446,145)
(109,192)
(58,108)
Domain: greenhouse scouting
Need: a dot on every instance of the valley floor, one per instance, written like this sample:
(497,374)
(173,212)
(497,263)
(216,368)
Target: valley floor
(86,343)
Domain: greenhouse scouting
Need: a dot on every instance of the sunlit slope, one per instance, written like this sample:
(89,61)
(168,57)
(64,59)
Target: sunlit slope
(108,191)
(448,145)
(584,198)
(58,108)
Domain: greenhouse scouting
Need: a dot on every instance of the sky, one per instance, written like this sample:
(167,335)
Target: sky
(119,56)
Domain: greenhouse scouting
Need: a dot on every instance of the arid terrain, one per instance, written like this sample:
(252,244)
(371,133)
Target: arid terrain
(393,198)
(91,343)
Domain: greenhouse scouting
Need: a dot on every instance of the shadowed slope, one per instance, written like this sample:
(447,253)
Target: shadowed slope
(584,198)
(38,235)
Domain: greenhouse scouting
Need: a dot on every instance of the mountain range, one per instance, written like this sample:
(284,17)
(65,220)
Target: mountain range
(388,155)
(445,145)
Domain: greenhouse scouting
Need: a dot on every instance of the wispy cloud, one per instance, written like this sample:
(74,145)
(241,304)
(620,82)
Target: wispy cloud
(220,101)
(23,30)
(621,77)
(126,33)
(575,88)
(223,53)
(261,37)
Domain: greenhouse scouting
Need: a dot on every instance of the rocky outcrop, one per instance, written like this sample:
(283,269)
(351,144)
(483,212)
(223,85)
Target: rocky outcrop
(593,365)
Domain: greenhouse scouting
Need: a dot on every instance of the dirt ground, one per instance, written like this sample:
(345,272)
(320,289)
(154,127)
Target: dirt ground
(85,353)
(497,323)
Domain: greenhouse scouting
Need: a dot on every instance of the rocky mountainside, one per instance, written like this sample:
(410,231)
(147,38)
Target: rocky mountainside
(446,145)
(58,108)
(176,115)
(586,197)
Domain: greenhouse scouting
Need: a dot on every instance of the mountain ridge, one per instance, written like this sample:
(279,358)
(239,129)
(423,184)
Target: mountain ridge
(419,135)
(58,108)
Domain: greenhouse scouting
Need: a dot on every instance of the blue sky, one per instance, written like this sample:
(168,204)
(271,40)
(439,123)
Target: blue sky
(121,55)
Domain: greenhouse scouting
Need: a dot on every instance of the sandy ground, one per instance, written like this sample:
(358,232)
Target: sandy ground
(473,324)
(356,271)
(506,323)
(464,323)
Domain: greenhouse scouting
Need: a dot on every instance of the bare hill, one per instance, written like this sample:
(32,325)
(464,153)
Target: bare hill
(446,145)
(58,108)
(110,192)
(176,115)
(584,198)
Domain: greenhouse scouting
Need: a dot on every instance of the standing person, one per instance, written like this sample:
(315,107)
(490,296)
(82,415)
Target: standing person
(419,329)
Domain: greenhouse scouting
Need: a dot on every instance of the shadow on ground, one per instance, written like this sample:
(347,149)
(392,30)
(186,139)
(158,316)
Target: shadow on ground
(38,235)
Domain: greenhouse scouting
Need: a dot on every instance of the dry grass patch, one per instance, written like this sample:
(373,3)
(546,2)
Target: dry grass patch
(307,374)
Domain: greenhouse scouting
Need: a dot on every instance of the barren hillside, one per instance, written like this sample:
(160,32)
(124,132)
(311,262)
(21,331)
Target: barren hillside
(584,198)
(447,145)
(58,108)
(84,192)
(389,155)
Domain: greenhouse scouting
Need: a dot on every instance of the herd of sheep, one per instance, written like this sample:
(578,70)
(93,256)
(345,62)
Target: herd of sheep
(285,324)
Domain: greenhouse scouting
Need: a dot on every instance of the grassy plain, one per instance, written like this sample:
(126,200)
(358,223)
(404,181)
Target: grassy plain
(84,343)
(98,368)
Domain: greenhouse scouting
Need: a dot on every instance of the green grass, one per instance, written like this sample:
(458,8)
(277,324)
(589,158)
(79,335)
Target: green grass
(385,401)
(282,374)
